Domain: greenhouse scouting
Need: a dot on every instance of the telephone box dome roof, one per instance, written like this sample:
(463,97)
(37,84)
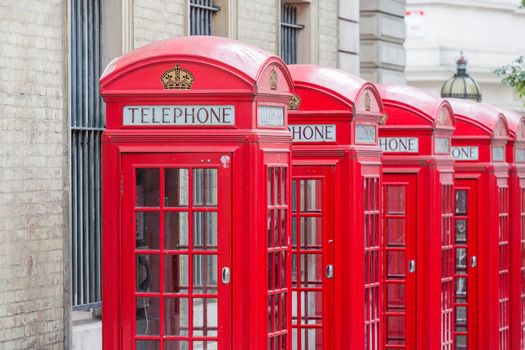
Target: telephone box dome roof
(434,109)
(484,116)
(245,60)
(516,123)
(347,87)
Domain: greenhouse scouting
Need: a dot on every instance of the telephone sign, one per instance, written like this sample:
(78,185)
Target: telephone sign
(465,152)
(313,132)
(194,115)
(399,144)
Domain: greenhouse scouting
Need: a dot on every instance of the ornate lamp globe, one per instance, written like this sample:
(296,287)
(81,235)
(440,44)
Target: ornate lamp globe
(461,85)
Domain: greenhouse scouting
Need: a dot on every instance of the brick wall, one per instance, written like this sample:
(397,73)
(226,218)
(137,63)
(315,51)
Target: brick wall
(158,19)
(32,175)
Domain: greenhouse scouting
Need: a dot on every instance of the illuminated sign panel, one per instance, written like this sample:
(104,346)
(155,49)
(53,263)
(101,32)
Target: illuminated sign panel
(194,115)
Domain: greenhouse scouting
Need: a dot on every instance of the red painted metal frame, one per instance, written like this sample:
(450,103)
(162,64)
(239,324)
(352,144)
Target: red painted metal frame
(330,96)
(480,125)
(229,73)
(414,113)
(515,152)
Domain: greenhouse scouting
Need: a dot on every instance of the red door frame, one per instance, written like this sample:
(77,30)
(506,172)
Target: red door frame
(409,183)
(224,194)
(325,174)
(472,186)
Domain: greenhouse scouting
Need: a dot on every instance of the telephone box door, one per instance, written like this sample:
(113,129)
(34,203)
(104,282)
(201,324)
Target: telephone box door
(465,266)
(177,251)
(400,263)
(312,258)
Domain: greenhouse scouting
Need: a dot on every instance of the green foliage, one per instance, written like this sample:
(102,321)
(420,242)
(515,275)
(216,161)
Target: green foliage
(522,4)
(514,74)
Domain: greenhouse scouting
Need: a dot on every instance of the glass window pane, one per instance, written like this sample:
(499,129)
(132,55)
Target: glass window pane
(176,316)
(461,286)
(461,259)
(147,345)
(395,232)
(205,345)
(312,339)
(148,316)
(395,297)
(311,232)
(147,230)
(269,186)
(283,186)
(283,228)
(311,270)
(311,195)
(461,230)
(175,230)
(461,342)
(294,196)
(395,199)
(205,317)
(395,330)
(176,345)
(311,307)
(205,230)
(147,188)
(176,273)
(294,232)
(395,264)
(147,273)
(461,202)
(205,274)
(461,315)
(204,187)
(176,187)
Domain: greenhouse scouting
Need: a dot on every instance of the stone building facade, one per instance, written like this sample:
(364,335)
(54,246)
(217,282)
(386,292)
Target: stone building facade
(35,133)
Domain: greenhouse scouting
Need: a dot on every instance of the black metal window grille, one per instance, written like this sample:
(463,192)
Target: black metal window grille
(201,14)
(289,33)
(86,126)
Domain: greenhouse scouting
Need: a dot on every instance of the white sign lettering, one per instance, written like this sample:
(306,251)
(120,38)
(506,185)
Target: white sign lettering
(442,145)
(313,132)
(399,144)
(270,116)
(498,153)
(196,115)
(365,134)
(520,155)
(465,152)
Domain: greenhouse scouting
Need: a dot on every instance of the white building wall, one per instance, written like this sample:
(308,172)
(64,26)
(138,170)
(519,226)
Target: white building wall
(33,147)
(489,32)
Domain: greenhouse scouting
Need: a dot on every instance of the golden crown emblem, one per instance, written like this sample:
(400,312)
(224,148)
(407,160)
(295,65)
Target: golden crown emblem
(177,78)
(383,119)
(368,101)
(295,102)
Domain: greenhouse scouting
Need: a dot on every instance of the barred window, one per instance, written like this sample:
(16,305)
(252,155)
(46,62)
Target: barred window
(86,126)
(201,16)
(289,33)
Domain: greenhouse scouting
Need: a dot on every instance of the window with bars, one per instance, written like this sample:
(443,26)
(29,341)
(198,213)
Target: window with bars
(372,264)
(201,16)
(289,33)
(86,126)
(447,267)
(503,235)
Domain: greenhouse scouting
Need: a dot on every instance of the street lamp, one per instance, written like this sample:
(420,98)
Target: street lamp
(461,85)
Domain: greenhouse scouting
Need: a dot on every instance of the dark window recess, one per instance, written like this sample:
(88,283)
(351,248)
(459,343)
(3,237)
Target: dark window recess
(201,14)
(289,33)
(86,125)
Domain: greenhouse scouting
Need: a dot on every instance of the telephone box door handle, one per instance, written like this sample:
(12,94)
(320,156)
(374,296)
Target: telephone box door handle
(473,261)
(412,266)
(330,271)
(226,275)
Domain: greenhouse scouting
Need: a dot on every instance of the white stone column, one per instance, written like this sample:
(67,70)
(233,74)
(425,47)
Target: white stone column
(383,34)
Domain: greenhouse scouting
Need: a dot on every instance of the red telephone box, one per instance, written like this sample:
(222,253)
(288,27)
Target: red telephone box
(335,198)
(516,160)
(417,219)
(481,227)
(196,174)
